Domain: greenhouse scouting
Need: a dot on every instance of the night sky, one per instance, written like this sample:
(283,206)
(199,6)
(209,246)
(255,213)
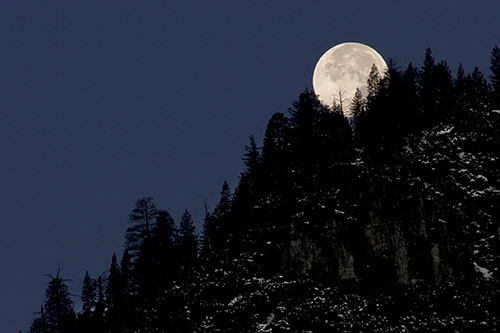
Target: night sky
(104,102)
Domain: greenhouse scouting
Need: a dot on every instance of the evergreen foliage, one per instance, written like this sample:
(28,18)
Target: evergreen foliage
(495,76)
(187,241)
(57,314)
(89,295)
(141,219)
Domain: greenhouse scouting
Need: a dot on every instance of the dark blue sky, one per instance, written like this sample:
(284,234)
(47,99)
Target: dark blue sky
(103,102)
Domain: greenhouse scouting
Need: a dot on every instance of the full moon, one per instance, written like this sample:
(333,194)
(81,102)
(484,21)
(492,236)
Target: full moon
(341,70)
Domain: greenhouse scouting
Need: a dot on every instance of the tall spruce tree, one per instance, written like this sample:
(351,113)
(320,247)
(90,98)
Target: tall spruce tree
(100,307)
(248,185)
(221,227)
(187,242)
(58,306)
(91,318)
(410,116)
(444,92)
(373,83)
(89,295)
(115,294)
(141,219)
(223,208)
(275,138)
(427,84)
(164,259)
(251,158)
(357,104)
(126,273)
(495,76)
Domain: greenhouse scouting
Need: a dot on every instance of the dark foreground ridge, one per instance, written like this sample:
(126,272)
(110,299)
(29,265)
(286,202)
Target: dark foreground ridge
(386,222)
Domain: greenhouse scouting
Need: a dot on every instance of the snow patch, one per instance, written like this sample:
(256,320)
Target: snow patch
(235,300)
(485,272)
(446,130)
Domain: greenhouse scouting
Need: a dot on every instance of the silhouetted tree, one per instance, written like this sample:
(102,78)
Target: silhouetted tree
(460,93)
(411,116)
(444,93)
(478,92)
(126,272)
(357,104)
(436,85)
(187,241)
(495,76)
(100,307)
(164,259)
(427,86)
(275,137)
(251,156)
(223,208)
(142,219)
(218,223)
(89,295)
(367,123)
(58,307)
(91,319)
(249,179)
(373,83)
(115,295)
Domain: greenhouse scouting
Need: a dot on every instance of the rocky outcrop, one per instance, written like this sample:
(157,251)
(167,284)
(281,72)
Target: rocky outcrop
(374,247)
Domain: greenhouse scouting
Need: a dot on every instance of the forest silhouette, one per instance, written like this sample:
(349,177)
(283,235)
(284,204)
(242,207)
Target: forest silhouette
(384,222)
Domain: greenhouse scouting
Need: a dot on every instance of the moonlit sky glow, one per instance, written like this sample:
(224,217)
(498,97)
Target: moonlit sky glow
(104,102)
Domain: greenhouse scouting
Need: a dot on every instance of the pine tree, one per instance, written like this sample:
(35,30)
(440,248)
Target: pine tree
(115,293)
(304,112)
(479,90)
(91,318)
(251,157)
(471,93)
(411,114)
(373,83)
(220,223)
(89,295)
(275,153)
(275,138)
(216,226)
(164,259)
(58,307)
(459,86)
(444,92)
(427,86)
(357,104)
(495,76)
(368,123)
(100,307)
(187,240)
(247,188)
(142,221)
(126,272)
(435,85)
(224,206)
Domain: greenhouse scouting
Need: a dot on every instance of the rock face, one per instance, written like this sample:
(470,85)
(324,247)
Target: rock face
(374,247)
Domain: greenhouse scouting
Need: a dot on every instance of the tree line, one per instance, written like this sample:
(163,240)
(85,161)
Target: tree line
(405,194)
